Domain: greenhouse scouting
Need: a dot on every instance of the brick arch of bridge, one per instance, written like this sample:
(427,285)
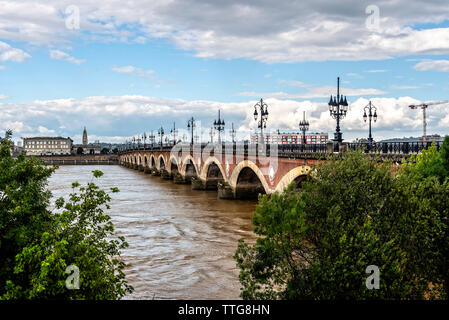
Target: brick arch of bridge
(248,164)
(146,162)
(184,165)
(172,159)
(161,159)
(206,165)
(290,176)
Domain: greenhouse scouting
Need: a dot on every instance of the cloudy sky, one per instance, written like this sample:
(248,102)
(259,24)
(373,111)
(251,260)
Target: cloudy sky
(122,68)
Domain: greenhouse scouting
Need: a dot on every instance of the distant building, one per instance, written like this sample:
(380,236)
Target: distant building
(42,146)
(429,138)
(86,147)
(291,138)
(432,138)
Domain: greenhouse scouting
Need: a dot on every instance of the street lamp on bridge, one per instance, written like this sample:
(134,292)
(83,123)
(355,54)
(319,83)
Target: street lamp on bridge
(370,107)
(338,107)
(151,138)
(160,132)
(190,126)
(304,126)
(219,126)
(232,132)
(174,132)
(211,133)
(263,117)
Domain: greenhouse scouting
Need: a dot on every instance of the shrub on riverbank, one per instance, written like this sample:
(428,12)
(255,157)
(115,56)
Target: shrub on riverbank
(67,254)
(352,214)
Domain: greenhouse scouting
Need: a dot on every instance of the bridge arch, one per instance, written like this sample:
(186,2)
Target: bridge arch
(145,160)
(161,162)
(297,174)
(207,164)
(152,162)
(139,159)
(173,167)
(245,173)
(189,167)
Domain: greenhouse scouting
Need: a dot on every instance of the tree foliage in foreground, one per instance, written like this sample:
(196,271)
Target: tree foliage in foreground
(351,214)
(37,245)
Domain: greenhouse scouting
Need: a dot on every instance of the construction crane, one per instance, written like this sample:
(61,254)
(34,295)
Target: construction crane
(424,107)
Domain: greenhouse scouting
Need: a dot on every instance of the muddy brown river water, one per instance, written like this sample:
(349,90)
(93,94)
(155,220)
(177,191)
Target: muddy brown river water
(181,242)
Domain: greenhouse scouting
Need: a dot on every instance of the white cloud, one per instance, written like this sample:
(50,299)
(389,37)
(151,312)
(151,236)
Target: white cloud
(134,71)
(44,131)
(60,55)
(376,71)
(317,92)
(437,65)
(8,53)
(2,97)
(401,87)
(123,116)
(267,31)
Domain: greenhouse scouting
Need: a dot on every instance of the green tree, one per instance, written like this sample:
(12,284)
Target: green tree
(430,162)
(444,153)
(351,213)
(41,246)
(23,207)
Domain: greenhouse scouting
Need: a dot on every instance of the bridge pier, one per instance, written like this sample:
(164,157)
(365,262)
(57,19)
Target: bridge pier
(225,191)
(197,184)
(179,179)
(155,172)
(165,174)
(212,183)
(140,168)
(147,170)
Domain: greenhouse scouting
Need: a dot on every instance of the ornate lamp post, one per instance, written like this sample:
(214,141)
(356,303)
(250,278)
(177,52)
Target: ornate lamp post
(211,133)
(263,117)
(338,107)
(174,132)
(151,138)
(304,126)
(160,132)
(144,140)
(190,126)
(219,126)
(232,132)
(370,107)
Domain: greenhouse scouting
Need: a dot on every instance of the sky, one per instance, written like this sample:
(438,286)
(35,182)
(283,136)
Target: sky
(122,68)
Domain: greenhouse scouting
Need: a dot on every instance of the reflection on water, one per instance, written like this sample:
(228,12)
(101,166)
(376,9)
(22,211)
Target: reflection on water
(181,242)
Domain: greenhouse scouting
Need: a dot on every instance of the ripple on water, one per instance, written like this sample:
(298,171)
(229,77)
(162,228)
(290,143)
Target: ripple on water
(181,242)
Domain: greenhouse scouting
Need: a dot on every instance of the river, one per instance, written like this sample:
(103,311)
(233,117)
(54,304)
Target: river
(181,241)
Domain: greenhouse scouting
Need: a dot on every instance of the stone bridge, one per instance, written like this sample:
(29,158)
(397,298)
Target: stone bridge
(237,172)
(241,171)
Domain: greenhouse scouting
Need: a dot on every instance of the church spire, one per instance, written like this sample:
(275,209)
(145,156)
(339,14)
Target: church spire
(85,142)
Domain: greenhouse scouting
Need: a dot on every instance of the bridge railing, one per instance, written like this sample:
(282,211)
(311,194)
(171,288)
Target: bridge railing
(245,149)
(393,147)
(292,150)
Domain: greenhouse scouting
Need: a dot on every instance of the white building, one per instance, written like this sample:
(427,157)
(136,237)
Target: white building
(291,137)
(43,146)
